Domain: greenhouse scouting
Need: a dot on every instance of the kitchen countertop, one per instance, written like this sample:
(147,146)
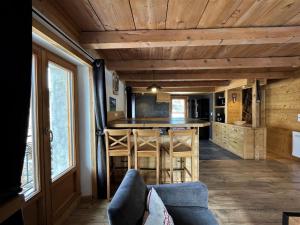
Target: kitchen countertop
(157,122)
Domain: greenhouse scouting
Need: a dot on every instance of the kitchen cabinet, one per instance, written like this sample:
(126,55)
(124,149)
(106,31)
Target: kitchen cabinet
(240,140)
(163,97)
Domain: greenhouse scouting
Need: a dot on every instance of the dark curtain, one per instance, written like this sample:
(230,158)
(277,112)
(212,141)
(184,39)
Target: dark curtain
(14,97)
(101,123)
(129,101)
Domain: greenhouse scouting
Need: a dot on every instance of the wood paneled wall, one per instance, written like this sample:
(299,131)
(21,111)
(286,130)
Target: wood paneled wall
(234,109)
(282,108)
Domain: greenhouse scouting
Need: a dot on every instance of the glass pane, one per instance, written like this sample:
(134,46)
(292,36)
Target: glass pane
(60,108)
(29,173)
(178,108)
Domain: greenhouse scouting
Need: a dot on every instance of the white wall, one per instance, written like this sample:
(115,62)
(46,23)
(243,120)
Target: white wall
(120,98)
(85,135)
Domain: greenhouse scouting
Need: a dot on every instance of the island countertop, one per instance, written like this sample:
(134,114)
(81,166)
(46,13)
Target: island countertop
(157,122)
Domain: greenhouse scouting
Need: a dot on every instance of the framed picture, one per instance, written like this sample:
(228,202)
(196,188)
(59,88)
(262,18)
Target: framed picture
(291,218)
(115,84)
(112,104)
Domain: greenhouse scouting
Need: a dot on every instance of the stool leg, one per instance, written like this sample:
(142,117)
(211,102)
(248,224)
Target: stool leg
(157,167)
(129,162)
(135,161)
(183,169)
(192,169)
(162,167)
(108,176)
(171,169)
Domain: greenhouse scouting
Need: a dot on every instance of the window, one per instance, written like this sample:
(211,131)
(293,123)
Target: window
(178,108)
(60,86)
(29,179)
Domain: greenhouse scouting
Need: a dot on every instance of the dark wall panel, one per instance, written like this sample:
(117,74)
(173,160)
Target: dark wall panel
(146,106)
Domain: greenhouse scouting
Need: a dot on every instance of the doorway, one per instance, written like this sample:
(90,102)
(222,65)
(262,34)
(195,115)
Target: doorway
(200,108)
(54,159)
(60,128)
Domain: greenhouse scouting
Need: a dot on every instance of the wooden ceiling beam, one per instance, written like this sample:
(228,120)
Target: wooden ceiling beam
(205,64)
(177,90)
(202,76)
(213,83)
(189,37)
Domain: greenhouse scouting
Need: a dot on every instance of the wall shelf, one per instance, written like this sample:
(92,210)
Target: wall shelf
(220,107)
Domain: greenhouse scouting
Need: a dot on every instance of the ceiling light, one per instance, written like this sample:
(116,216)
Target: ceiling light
(154,88)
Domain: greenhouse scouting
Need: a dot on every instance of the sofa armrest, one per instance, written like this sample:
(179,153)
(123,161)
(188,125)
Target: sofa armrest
(129,202)
(183,194)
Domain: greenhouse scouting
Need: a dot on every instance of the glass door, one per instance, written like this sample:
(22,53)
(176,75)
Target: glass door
(59,112)
(51,176)
(61,109)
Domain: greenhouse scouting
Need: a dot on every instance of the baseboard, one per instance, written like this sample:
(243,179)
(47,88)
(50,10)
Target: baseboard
(291,157)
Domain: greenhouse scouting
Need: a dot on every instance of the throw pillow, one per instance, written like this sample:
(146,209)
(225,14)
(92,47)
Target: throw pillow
(158,214)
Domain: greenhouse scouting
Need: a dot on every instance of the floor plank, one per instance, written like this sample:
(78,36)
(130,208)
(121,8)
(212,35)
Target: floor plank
(240,192)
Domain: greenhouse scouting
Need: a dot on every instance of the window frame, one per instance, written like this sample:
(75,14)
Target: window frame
(185,98)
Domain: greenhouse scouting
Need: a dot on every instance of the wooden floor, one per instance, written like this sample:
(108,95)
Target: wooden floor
(240,192)
(251,192)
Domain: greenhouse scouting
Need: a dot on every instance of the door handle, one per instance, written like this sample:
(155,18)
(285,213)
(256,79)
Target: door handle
(49,131)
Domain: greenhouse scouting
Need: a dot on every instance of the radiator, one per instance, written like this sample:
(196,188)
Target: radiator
(296,144)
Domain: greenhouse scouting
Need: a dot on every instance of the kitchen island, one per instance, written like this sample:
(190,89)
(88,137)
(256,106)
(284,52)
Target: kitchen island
(165,123)
(158,123)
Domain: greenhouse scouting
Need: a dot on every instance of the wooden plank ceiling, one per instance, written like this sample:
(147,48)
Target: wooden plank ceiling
(191,40)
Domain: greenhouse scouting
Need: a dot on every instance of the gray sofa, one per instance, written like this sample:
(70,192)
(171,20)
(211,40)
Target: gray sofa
(186,202)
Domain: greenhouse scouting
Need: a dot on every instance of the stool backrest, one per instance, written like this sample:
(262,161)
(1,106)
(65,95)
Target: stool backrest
(146,139)
(182,139)
(117,139)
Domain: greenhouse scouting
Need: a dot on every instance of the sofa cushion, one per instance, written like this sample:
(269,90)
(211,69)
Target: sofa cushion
(129,202)
(183,194)
(192,215)
(158,214)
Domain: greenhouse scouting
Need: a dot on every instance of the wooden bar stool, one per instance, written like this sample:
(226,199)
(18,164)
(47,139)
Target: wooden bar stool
(181,146)
(118,144)
(147,144)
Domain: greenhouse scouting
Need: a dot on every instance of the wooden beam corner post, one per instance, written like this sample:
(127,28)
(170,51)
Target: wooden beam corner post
(256,114)
(255,105)
(260,145)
